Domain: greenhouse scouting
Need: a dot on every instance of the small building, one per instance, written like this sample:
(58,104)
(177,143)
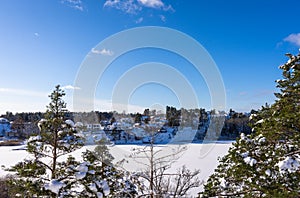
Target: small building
(93,127)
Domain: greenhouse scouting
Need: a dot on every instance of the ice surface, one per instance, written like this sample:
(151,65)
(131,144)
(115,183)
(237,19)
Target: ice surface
(196,156)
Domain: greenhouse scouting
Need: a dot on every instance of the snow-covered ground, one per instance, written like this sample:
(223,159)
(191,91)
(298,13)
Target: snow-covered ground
(196,156)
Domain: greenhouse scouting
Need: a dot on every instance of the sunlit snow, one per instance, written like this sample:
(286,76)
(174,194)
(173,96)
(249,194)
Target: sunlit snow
(196,156)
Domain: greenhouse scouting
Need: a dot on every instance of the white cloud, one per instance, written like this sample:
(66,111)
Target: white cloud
(134,6)
(104,52)
(75,4)
(36,34)
(151,3)
(168,8)
(70,87)
(128,6)
(294,39)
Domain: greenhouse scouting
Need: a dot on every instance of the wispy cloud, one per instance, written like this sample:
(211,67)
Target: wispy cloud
(162,18)
(134,6)
(36,34)
(294,39)
(140,20)
(70,87)
(104,52)
(75,4)
(127,6)
(168,8)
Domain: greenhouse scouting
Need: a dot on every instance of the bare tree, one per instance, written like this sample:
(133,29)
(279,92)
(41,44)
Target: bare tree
(156,176)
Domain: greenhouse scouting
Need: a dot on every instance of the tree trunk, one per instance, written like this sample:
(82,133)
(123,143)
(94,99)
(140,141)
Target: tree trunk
(53,174)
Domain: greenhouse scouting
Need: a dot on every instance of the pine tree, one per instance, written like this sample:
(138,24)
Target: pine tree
(266,163)
(44,173)
(97,176)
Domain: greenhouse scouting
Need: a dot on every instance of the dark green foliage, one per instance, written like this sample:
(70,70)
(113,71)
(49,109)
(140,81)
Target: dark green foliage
(173,116)
(138,118)
(203,117)
(5,190)
(237,124)
(57,137)
(102,153)
(24,116)
(266,164)
(97,176)
(146,115)
(113,120)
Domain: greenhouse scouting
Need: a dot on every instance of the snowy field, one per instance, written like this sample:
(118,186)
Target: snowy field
(196,156)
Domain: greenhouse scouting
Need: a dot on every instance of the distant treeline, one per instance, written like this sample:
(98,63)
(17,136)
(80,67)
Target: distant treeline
(235,122)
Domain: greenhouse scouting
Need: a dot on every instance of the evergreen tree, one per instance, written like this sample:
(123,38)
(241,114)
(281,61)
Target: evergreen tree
(97,176)
(266,163)
(146,116)
(138,118)
(173,116)
(43,174)
(113,120)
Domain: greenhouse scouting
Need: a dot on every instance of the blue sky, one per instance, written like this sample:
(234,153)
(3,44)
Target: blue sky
(43,43)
